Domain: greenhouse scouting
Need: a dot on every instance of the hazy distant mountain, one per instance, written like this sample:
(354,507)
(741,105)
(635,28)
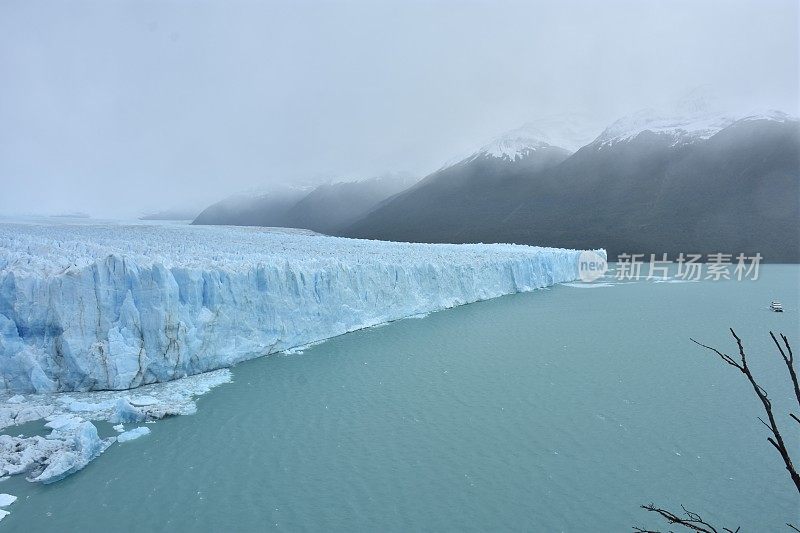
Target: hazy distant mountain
(267,209)
(697,183)
(325,209)
(334,206)
(76,214)
(172,214)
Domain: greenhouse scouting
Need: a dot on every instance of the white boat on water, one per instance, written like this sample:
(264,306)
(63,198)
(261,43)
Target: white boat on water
(776,307)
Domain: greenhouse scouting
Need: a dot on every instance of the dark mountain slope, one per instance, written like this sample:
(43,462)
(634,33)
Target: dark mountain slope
(738,191)
(451,204)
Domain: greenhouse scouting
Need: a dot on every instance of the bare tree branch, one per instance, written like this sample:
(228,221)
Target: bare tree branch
(694,521)
(690,520)
(776,440)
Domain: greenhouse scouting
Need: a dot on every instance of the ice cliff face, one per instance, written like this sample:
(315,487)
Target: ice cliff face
(115,307)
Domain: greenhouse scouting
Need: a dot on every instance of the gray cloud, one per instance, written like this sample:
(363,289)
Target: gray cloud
(116,107)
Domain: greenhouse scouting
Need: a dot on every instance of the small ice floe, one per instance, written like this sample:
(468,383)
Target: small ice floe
(7,499)
(119,428)
(3,514)
(133,434)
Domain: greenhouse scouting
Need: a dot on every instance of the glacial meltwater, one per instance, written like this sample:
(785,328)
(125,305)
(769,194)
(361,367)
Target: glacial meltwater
(563,409)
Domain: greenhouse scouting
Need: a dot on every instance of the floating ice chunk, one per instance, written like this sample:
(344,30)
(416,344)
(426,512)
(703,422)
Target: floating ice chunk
(126,411)
(7,499)
(133,434)
(69,447)
(4,514)
(80,443)
(119,428)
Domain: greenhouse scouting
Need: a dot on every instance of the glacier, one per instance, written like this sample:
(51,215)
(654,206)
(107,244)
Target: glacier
(111,307)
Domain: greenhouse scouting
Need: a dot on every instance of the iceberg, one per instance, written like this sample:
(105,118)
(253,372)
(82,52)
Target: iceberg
(115,307)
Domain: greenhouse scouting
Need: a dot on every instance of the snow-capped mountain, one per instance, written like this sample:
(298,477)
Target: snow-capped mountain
(679,129)
(516,144)
(567,131)
(699,115)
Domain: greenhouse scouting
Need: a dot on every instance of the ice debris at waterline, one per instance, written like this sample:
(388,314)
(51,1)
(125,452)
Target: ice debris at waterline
(73,440)
(87,307)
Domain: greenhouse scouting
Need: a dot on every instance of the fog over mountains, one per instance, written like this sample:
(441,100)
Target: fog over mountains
(690,179)
(329,208)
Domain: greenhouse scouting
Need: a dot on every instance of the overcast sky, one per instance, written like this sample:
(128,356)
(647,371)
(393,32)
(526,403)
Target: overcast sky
(115,107)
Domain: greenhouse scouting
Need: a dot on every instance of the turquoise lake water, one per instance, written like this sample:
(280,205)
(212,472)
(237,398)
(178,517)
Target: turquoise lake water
(557,410)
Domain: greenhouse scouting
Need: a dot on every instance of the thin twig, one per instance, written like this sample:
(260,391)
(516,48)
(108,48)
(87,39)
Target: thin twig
(788,358)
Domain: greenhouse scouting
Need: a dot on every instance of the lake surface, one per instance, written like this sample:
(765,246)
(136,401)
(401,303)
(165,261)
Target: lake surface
(558,410)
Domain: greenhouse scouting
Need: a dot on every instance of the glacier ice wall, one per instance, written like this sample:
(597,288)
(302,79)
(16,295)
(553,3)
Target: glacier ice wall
(90,307)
